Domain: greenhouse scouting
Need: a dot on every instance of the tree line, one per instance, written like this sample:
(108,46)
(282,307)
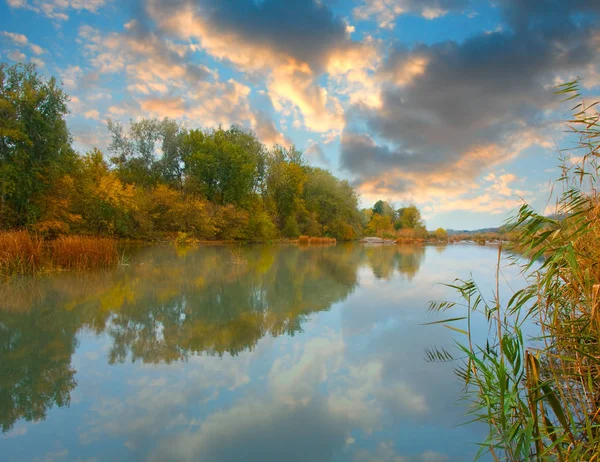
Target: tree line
(384,220)
(157,177)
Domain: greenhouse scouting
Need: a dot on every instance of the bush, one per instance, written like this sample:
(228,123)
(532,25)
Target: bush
(290,228)
(231,223)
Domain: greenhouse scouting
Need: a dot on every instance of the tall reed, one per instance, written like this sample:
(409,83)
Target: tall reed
(83,252)
(542,403)
(20,252)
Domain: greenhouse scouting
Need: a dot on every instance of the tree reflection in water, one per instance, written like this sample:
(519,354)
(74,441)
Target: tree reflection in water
(167,305)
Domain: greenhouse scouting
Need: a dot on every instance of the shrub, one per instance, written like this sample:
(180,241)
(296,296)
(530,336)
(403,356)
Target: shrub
(230,222)
(303,240)
(260,226)
(290,228)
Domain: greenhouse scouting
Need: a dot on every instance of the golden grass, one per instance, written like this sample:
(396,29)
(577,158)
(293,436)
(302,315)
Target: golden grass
(410,240)
(321,240)
(22,252)
(83,252)
(306,240)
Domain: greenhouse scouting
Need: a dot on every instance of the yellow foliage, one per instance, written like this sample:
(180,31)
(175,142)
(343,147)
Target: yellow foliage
(112,191)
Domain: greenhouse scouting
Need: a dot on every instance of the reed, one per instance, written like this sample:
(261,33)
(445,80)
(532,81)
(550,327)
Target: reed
(322,240)
(542,403)
(83,252)
(303,240)
(20,252)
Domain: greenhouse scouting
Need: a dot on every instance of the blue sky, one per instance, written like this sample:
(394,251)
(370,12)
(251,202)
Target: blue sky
(446,103)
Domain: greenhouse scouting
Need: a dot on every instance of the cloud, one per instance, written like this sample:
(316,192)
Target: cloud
(57,9)
(17,56)
(290,44)
(70,76)
(21,40)
(150,62)
(315,153)
(267,132)
(385,12)
(255,430)
(165,80)
(18,39)
(92,114)
(452,110)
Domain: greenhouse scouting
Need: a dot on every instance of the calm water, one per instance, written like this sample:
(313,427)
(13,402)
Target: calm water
(293,355)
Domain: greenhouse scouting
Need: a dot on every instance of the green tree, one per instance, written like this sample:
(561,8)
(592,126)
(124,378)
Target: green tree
(149,153)
(333,203)
(35,144)
(378,207)
(286,176)
(225,166)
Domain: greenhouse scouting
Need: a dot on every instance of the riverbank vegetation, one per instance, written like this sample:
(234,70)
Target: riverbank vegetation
(541,399)
(158,178)
(22,252)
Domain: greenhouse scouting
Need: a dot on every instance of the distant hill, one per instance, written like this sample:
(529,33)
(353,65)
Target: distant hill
(453,232)
(499,229)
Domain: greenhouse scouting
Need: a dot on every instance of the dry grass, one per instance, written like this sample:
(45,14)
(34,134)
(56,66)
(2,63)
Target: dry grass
(237,257)
(410,240)
(20,252)
(83,252)
(303,240)
(322,241)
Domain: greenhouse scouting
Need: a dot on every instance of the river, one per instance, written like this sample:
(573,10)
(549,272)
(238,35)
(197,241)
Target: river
(255,353)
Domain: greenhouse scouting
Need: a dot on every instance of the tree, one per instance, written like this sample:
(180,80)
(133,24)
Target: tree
(384,208)
(149,153)
(410,217)
(441,234)
(332,203)
(35,144)
(378,207)
(379,225)
(224,166)
(285,181)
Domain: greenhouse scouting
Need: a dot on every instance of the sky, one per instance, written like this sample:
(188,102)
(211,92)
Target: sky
(448,104)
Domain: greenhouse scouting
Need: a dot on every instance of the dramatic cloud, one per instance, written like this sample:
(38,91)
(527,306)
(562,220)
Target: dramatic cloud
(290,44)
(407,120)
(451,110)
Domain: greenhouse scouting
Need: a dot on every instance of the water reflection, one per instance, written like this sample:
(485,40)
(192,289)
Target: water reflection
(188,355)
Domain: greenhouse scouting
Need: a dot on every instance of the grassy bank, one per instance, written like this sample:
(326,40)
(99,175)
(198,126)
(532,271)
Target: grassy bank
(542,403)
(22,252)
(306,240)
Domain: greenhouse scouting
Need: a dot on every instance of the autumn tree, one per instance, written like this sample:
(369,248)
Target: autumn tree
(35,144)
(409,217)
